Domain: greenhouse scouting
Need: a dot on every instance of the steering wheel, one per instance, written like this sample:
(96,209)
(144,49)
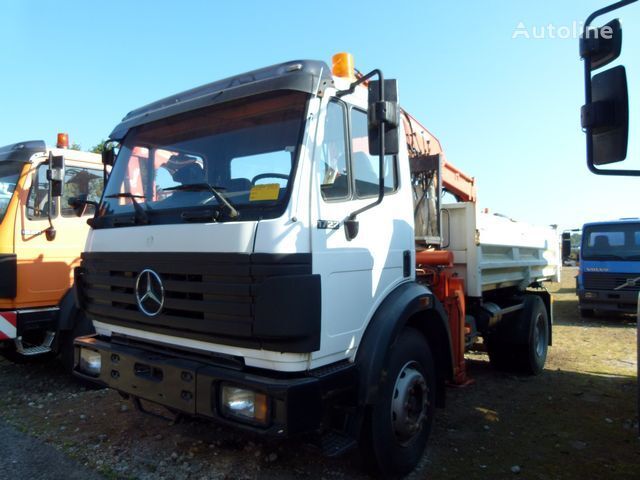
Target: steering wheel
(268,175)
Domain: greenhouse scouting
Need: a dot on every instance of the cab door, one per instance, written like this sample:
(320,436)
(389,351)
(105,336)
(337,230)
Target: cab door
(356,274)
(45,267)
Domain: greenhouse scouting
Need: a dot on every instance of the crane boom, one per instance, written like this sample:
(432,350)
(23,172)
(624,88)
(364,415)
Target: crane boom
(422,143)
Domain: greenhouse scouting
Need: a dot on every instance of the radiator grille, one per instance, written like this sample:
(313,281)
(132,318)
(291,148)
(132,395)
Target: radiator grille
(205,294)
(609,281)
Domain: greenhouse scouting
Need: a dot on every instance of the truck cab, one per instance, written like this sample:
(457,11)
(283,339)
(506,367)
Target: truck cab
(609,275)
(254,260)
(40,240)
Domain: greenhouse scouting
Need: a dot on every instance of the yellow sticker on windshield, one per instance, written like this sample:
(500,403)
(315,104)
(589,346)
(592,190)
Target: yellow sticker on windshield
(268,191)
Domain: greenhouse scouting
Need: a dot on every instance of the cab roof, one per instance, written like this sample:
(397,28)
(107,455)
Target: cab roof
(301,75)
(613,222)
(22,151)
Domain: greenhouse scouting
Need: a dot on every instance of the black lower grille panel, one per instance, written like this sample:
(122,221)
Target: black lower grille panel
(610,281)
(210,296)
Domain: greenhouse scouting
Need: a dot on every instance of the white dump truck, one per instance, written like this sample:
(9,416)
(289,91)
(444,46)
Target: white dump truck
(271,251)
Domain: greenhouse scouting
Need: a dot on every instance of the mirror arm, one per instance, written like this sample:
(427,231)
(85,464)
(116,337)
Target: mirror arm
(587,95)
(361,80)
(351,224)
(602,11)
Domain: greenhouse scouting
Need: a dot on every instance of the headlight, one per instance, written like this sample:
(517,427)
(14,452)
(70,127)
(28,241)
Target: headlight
(90,362)
(244,405)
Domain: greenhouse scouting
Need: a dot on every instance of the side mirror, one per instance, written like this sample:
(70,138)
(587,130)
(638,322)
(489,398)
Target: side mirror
(55,174)
(601,46)
(606,117)
(383,111)
(108,154)
(566,245)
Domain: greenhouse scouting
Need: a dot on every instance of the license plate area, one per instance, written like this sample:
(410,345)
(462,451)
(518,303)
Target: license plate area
(168,381)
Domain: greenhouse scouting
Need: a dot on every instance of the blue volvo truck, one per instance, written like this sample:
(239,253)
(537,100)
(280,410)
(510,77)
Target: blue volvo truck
(609,274)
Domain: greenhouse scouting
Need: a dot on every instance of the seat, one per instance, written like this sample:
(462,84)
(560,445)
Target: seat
(238,185)
(601,242)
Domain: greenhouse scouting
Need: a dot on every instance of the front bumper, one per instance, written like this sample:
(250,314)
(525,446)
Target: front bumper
(296,405)
(15,323)
(608,300)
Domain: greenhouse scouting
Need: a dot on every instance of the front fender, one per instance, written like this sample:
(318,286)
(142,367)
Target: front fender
(392,316)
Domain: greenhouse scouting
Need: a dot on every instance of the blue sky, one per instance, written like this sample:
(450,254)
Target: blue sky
(506,109)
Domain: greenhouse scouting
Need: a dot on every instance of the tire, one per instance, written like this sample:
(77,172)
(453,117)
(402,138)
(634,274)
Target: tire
(391,447)
(81,326)
(500,353)
(521,347)
(531,357)
(587,312)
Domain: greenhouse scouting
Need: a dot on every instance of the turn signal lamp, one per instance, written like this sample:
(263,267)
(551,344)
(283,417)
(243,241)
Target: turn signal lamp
(343,65)
(63,140)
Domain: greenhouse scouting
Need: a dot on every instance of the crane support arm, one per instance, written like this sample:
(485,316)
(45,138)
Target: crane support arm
(421,143)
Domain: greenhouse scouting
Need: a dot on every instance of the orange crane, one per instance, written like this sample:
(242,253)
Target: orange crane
(434,264)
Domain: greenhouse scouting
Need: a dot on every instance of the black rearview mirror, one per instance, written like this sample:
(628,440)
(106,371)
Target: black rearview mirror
(108,154)
(566,245)
(606,118)
(55,174)
(383,110)
(601,46)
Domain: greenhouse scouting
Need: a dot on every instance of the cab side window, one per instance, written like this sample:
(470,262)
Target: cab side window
(366,167)
(81,181)
(332,166)
(38,201)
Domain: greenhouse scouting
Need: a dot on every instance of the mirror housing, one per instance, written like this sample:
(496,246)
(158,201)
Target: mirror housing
(566,245)
(601,46)
(383,111)
(55,174)
(606,118)
(351,228)
(108,154)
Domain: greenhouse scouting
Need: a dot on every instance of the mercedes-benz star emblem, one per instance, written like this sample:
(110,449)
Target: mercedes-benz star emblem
(149,293)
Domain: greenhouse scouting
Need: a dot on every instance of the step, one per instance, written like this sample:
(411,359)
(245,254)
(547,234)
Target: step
(45,347)
(336,443)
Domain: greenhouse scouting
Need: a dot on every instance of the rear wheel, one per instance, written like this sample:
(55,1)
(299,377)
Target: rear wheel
(399,423)
(521,344)
(531,359)
(587,312)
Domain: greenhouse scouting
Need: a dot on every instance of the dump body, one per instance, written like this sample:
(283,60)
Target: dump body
(492,252)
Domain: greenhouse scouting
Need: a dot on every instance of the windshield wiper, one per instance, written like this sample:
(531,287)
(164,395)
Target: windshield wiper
(140,212)
(215,190)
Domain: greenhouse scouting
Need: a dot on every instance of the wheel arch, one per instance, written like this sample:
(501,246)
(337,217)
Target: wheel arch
(410,304)
(67,308)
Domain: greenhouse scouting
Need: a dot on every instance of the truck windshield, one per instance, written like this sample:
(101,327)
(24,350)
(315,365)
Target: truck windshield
(611,242)
(9,174)
(225,162)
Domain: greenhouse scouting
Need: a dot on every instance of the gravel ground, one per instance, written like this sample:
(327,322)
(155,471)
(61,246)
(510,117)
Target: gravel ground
(576,420)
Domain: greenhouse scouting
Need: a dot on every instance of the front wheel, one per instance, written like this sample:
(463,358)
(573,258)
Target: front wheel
(399,423)
(81,326)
